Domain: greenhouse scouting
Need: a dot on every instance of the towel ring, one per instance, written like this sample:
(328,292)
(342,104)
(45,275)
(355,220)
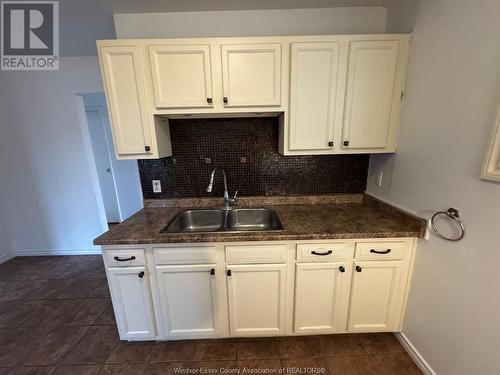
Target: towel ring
(454,215)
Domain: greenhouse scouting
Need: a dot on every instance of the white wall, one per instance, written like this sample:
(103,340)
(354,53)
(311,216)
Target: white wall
(352,20)
(453,315)
(47,202)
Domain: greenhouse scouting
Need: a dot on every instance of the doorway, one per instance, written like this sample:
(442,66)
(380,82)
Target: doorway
(118,180)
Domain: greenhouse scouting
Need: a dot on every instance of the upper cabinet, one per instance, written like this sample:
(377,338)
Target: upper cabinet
(314,93)
(333,94)
(370,93)
(124,82)
(181,75)
(251,74)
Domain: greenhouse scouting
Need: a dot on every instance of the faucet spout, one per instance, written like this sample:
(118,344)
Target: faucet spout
(227,200)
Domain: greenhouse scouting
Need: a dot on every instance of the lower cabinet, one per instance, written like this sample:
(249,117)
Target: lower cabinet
(377,296)
(256,297)
(321,297)
(132,303)
(188,300)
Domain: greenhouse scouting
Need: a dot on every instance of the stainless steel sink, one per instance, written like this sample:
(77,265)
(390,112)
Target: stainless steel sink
(221,220)
(252,219)
(209,220)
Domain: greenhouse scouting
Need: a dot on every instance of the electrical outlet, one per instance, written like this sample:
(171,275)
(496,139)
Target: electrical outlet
(156,186)
(380,178)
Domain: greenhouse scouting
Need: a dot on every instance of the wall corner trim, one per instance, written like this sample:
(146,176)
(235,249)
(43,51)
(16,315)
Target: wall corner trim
(44,252)
(414,354)
(6,257)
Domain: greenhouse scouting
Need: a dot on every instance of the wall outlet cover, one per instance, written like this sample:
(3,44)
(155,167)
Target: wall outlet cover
(156,186)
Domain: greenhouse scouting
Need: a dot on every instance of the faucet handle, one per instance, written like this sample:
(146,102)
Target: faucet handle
(235,196)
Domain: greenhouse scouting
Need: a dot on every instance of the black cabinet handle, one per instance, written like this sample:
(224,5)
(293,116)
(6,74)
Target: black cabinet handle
(209,100)
(225,100)
(358,269)
(212,271)
(342,269)
(141,274)
(118,259)
(228,272)
(321,254)
(346,143)
(380,252)
(147,148)
(330,144)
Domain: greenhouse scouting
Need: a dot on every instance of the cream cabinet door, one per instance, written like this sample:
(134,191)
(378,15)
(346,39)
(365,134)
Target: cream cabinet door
(256,296)
(182,75)
(188,300)
(125,93)
(251,74)
(314,93)
(132,303)
(377,296)
(370,93)
(321,297)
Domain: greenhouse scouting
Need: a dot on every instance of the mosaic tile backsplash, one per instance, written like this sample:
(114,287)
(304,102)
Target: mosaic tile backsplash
(247,149)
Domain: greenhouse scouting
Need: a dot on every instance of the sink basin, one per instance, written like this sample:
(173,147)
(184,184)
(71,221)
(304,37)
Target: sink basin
(208,220)
(252,219)
(221,220)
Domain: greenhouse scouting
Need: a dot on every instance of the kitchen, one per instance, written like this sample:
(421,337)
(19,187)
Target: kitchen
(306,205)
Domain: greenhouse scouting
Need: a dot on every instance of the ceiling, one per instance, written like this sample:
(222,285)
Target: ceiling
(82,22)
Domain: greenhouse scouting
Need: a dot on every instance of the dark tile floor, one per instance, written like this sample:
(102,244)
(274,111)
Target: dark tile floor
(56,318)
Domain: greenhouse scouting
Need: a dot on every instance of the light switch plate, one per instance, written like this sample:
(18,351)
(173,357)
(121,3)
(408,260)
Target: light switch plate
(156,186)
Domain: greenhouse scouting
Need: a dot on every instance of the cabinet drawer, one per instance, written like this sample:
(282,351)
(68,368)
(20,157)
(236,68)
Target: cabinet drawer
(184,255)
(381,250)
(125,257)
(323,252)
(256,254)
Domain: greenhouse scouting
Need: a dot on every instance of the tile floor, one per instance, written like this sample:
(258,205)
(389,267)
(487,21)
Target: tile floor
(56,318)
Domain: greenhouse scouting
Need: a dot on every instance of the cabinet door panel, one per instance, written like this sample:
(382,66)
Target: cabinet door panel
(370,90)
(256,295)
(313,95)
(188,299)
(376,296)
(182,75)
(252,74)
(132,303)
(125,93)
(321,297)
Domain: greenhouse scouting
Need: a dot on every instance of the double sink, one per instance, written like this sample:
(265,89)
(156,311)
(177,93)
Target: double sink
(224,220)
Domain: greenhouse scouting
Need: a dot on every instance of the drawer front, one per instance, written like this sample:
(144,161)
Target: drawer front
(323,252)
(125,257)
(256,254)
(381,250)
(184,255)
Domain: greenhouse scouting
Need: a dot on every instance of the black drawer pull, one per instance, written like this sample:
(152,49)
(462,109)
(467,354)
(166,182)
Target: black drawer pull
(228,272)
(225,100)
(141,274)
(212,271)
(209,100)
(380,252)
(118,259)
(342,269)
(321,254)
(358,269)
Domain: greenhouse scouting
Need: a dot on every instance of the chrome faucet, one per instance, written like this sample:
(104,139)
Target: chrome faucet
(227,201)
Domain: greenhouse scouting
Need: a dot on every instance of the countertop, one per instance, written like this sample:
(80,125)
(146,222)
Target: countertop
(311,218)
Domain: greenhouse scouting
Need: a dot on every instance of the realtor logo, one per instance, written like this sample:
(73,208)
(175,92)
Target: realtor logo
(30,35)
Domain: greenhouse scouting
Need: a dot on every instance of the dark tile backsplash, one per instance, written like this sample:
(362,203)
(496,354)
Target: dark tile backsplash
(247,149)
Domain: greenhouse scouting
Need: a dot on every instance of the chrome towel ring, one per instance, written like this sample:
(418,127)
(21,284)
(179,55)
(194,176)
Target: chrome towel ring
(454,215)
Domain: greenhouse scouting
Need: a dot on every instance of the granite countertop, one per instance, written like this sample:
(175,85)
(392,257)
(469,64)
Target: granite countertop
(315,218)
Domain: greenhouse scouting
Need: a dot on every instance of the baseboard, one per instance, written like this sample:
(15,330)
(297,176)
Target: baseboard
(43,252)
(414,354)
(4,258)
